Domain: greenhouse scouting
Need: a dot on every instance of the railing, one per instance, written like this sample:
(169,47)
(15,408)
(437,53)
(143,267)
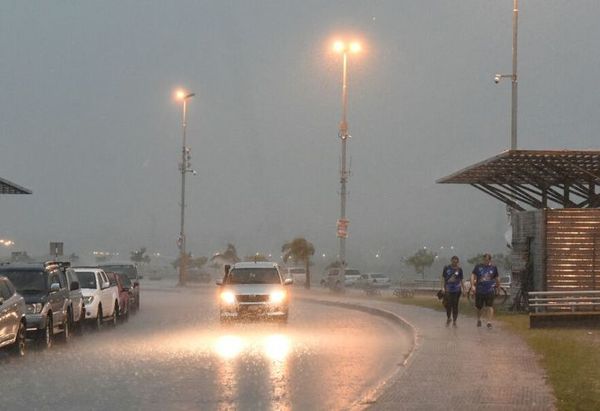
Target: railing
(551,306)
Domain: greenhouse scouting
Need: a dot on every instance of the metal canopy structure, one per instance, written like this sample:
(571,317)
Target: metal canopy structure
(6,187)
(535,178)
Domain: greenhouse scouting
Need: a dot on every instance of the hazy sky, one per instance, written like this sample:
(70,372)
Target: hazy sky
(88,121)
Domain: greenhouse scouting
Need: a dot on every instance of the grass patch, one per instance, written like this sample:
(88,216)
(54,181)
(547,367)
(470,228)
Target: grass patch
(571,358)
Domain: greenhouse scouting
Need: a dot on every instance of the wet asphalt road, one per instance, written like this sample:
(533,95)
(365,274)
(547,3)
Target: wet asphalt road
(175,355)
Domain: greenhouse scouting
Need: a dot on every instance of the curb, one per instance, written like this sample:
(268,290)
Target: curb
(371,397)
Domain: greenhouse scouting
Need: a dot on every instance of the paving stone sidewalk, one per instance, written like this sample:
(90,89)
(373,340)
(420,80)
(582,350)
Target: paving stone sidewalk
(462,368)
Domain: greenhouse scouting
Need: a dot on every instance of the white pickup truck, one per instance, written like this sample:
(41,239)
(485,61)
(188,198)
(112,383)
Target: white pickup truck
(101,297)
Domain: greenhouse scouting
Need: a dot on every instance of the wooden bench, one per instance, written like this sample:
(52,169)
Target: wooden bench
(564,308)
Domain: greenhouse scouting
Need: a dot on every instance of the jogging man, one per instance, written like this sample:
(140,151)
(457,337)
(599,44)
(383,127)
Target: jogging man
(484,280)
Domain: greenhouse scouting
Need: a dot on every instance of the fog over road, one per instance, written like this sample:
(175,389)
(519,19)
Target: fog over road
(175,355)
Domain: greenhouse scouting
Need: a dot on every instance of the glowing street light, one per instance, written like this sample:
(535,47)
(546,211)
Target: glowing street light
(344,48)
(184,167)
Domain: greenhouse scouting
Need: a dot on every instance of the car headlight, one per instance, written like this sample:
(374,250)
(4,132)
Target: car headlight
(277,297)
(35,308)
(228,297)
(88,300)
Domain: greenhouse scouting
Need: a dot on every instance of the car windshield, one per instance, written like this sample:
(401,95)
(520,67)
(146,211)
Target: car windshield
(253,276)
(126,269)
(27,281)
(87,279)
(378,275)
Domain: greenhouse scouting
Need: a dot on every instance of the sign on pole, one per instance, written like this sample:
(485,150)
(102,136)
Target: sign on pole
(56,248)
(342,227)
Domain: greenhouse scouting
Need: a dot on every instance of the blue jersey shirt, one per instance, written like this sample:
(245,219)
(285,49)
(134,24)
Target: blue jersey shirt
(486,278)
(452,278)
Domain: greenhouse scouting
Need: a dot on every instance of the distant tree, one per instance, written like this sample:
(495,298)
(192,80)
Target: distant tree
(228,256)
(420,260)
(197,262)
(299,249)
(177,261)
(139,256)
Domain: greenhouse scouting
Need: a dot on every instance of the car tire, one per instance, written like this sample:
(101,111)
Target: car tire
(46,336)
(98,322)
(66,334)
(115,316)
(18,348)
(79,326)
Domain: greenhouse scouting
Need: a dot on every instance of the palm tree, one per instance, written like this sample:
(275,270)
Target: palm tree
(421,260)
(299,250)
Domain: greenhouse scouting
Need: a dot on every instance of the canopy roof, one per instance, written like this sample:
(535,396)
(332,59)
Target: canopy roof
(6,187)
(535,177)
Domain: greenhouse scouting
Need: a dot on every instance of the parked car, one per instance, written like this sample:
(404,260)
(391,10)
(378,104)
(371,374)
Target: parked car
(376,280)
(13,323)
(130,270)
(298,274)
(122,280)
(254,289)
(46,292)
(76,297)
(349,277)
(101,298)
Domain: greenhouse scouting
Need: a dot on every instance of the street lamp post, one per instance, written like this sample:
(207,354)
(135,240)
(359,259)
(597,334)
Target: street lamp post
(184,168)
(342,226)
(513,77)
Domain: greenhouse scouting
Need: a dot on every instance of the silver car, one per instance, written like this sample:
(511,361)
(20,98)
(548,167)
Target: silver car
(254,289)
(12,318)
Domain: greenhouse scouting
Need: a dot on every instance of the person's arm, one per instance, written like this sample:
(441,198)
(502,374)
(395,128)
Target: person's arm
(473,282)
(443,284)
(462,282)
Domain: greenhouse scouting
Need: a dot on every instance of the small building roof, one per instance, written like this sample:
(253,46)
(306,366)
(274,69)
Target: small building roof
(535,177)
(6,187)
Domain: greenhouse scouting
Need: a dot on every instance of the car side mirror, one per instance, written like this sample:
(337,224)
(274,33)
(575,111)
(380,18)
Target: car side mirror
(288,281)
(136,283)
(105,284)
(74,285)
(219,282)
(54,287)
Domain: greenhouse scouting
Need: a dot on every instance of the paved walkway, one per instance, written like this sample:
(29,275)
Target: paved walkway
(462,368)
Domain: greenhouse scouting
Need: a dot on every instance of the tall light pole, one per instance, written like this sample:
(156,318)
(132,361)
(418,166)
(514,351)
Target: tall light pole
(342,224)
(183,96)
(513,77)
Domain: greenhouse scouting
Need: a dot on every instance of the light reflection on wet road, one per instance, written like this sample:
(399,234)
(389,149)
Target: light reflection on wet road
(175,355)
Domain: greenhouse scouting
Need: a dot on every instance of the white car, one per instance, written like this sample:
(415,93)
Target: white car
(254,289)
(298,274)
(101,298)
(376,280)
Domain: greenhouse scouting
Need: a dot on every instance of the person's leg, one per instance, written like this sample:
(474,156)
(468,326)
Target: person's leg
(455,300)
(479,306)
(489,302)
